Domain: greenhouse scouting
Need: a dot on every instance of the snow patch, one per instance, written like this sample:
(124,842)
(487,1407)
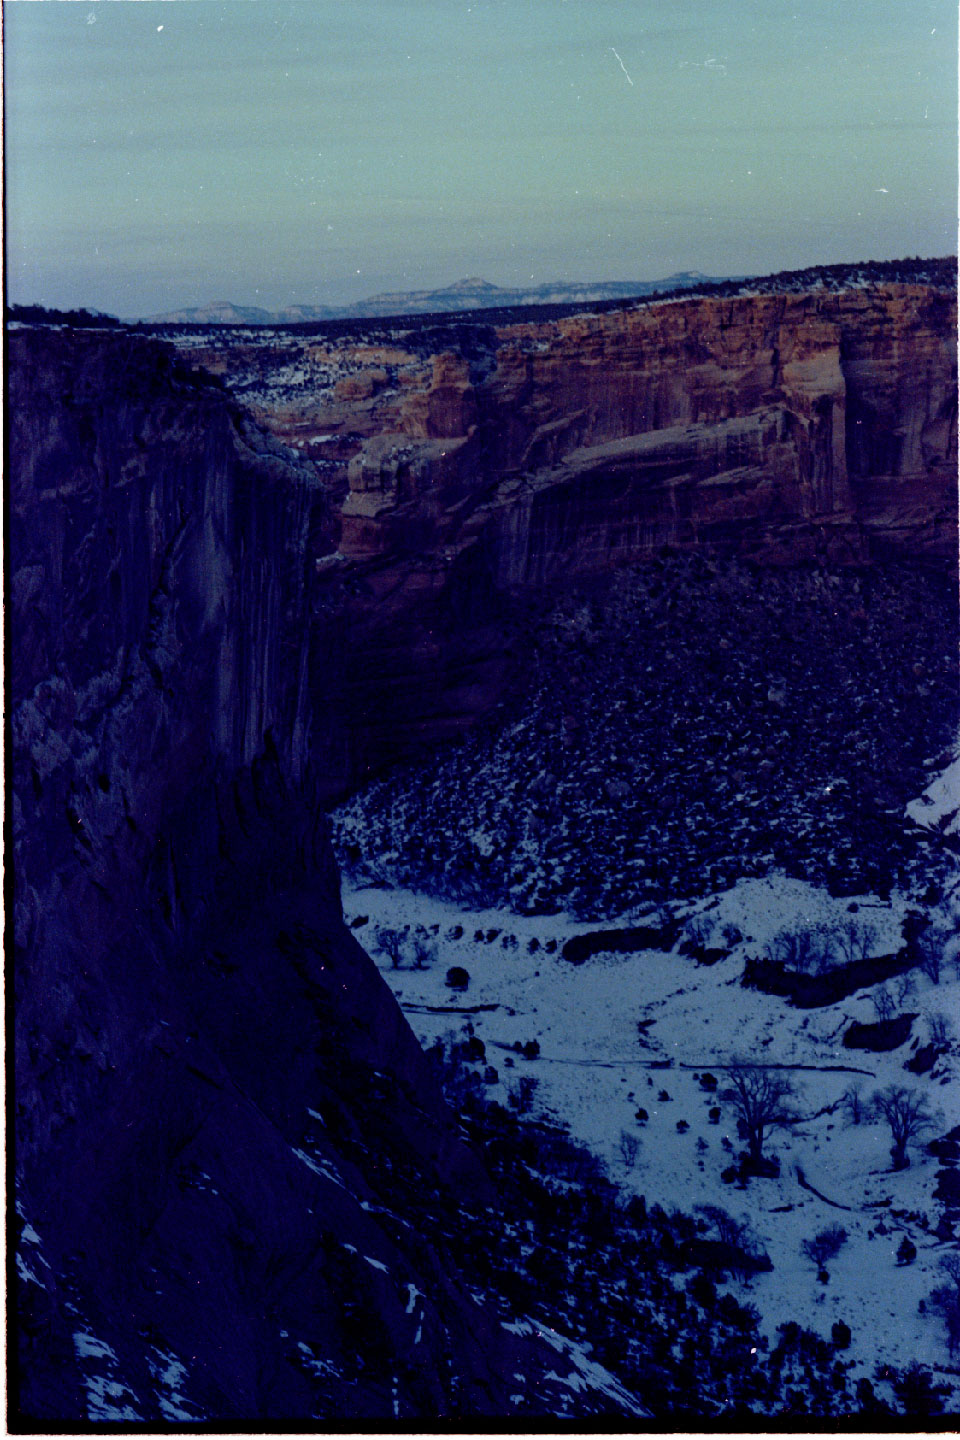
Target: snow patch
(587,1374)
(105,1397)
(318,1168)
(88,1347)
(413,1295)
(26,1274)
(938,808)
(169,1373)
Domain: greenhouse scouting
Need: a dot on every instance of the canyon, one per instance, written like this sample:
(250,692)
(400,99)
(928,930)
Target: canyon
(236,1177)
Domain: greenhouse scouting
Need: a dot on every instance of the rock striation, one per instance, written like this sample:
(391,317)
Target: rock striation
(781,427)
(230,1153)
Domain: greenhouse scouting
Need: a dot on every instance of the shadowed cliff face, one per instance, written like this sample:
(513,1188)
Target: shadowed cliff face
(228,1143)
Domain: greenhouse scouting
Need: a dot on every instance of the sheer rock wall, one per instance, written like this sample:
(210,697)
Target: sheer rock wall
(783,427)
(225,1132)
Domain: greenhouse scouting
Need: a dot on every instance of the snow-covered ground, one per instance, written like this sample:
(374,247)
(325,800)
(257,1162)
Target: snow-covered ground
(594,1072)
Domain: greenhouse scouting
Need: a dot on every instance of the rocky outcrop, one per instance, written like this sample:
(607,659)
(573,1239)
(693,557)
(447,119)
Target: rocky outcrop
(232,1161)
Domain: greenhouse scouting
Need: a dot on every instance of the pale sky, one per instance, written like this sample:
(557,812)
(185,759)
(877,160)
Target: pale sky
(162,153)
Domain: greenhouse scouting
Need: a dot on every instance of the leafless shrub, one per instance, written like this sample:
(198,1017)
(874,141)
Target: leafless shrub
(825,1245)
(883,1003)
(629,1148)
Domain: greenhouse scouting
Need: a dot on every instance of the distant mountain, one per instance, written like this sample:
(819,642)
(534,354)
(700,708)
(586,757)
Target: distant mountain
(220,312)
(469,294)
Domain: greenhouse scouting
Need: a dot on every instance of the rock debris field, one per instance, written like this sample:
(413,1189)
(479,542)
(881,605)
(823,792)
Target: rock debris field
(691,724)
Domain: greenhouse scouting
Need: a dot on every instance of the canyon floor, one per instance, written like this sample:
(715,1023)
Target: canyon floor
(725,759)
(593,1072)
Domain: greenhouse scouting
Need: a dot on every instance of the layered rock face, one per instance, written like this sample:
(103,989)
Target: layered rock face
(778,426)
(785,429)
(226,1136)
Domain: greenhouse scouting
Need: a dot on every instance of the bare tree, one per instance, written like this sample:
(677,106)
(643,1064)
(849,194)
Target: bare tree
(930,948)
(522,1098)
(390,942)
(883,1003)
(629,1148)
(741,1253)
(854,940)
(908,1116)
(904,984)
(729,1230)
(699,931)
(799,948)
(762,1100)
(854,1106)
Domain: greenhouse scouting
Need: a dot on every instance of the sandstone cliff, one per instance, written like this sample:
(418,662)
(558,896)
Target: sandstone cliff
(783,429)
(227,1141)
(779,426)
